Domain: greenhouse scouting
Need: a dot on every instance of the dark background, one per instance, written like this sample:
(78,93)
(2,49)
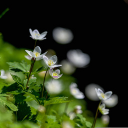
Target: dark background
(100,29)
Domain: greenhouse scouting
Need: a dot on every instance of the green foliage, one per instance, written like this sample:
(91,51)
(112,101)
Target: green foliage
(81,122)
(56,100)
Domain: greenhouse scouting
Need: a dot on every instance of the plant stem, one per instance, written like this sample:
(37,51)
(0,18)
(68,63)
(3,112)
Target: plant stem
(43,82)
(94,122)
(35,44)
(32,64)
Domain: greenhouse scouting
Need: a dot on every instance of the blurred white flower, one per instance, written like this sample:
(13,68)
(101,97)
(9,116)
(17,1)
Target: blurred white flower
(50,62)
(36,53)
(62,35)
(67,67)
(66,124)
(76,92)
(90,91)
(103,110)
(77,110)
(36,35)
(111,102)
(3,76)
(28,57)
(41,109)
(55,73)
(105,119)
(102,95)
(78,58)
(54,86)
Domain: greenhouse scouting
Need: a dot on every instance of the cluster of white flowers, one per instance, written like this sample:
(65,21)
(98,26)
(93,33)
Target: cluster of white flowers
(103,97)
(36,54)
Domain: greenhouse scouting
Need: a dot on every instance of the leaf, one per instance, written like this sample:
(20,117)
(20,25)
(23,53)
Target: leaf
(3,100)
(56,100)
(19,66)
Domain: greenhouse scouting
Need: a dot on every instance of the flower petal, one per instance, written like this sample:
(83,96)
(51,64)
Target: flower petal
(57,71)
(39,57)
(50,71)
(36,31)
(102,106)
(105,111)
(42,35)
(2,72)
(37,49)
(54,66)
(45,59)
(108,94)
(30,53)
(54,59)
(30,30)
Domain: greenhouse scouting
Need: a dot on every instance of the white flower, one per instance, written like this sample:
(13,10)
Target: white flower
(62,35)
(36,53)
(103,110)
(66,124)
(90,91)
(102,95)
(36,35)
(55,74)
(54,86)
(50,62)
(78,109)
(67,67)
(76,92)
(78,58)
(111,102)
(3,76)
(105,119)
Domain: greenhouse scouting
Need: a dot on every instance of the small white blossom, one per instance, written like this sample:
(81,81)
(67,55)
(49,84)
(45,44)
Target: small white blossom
(76,92)
(54,86)
(36,53)
(3,76)
(102,95)
(55,73)
(111,102)
(36,35)
(66,124)
(103,110)
(51,61)
(78,58)
(62,35)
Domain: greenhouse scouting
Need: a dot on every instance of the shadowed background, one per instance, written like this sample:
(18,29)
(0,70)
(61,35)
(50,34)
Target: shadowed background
(100,29)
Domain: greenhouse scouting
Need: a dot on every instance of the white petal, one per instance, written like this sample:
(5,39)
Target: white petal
(108,94)
(30,53)
(73,85)
(54,66)
(30,30)
(102,106)
(36,31)
(50,71)
(37,49)
(59,76)
(2,72)
(105,111)
(28,57)
(54,59)
(57,71)
(42,35)
(79,96)
(3,77)
(45,59)
(39,57)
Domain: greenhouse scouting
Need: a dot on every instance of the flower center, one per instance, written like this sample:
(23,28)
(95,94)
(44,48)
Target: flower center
(103,95)
(50,62)
(37,34)
(54,74)
(36,54)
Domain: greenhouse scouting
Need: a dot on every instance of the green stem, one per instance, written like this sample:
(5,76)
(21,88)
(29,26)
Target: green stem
(35,44)
(43,82)
(94,122)
(32,64)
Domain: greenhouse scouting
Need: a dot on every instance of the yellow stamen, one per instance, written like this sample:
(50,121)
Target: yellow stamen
(102,95)
(50,62)
(54,74)
(36,54)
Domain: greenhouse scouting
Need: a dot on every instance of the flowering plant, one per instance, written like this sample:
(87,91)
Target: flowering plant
(31,101)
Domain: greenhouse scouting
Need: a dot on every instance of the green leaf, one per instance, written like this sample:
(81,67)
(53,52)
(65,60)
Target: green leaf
(56,100)
(3,100)
(19,66)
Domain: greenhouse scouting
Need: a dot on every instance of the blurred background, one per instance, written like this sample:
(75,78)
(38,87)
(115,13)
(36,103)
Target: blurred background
(88,37)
